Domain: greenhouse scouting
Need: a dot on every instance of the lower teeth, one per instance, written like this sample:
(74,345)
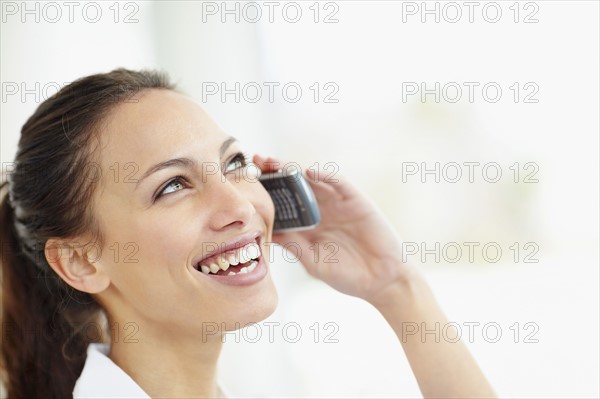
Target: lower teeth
(245,269)
(251,265)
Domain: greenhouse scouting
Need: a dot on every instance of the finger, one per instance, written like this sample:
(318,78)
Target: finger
(337,184)
(324,192)
(267,164)
(270,164)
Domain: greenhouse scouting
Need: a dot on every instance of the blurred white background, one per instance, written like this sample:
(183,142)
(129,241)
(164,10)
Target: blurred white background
(370,53)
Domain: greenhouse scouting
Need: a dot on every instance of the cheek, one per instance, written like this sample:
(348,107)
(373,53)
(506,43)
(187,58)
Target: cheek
(153,280)
(165,239)
(172,237)
(144,248)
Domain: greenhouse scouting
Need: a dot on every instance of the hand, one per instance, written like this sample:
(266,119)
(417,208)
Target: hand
(369,266)
(359,253)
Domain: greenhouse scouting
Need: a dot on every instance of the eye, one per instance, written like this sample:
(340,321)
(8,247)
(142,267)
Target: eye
(176,184)
(237,162)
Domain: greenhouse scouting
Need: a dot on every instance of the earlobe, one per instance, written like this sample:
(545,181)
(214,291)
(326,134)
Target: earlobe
(71,261)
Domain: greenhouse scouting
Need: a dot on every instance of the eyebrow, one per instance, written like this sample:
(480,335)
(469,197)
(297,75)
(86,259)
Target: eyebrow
(182,162)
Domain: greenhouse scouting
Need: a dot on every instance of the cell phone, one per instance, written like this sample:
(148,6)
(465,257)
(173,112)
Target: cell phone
(296,207)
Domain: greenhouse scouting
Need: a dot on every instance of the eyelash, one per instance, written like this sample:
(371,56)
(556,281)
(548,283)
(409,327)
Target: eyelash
(240,156)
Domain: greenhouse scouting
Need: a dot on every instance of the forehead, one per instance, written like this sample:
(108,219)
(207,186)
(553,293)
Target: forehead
(156,125)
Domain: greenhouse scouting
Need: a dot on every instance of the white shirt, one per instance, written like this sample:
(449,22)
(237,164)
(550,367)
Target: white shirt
(102,378)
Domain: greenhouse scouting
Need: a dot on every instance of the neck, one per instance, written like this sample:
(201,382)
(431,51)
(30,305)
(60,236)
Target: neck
(151,355)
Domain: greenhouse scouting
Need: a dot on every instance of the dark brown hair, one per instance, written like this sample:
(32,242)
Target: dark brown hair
(49,193)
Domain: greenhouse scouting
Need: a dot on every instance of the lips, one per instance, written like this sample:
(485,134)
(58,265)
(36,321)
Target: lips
(231,262)
(244,248)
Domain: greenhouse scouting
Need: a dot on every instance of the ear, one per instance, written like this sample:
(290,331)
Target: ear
(72,262)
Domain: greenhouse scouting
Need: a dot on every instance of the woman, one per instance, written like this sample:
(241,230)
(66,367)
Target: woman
(112,204)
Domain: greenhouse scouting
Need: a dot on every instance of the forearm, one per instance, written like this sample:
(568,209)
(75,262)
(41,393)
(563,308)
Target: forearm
(443,369)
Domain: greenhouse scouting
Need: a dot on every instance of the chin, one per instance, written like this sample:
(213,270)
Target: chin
(255,311)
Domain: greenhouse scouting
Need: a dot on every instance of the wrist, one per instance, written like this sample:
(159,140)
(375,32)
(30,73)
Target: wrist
(403,294)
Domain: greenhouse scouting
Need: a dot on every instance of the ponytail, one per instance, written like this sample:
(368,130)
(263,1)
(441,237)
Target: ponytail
(44,320)
(43,352)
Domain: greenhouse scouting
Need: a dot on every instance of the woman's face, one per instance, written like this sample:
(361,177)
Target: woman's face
(174,191)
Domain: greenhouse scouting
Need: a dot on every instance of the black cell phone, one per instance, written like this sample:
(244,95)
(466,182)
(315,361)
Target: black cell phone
(296,207)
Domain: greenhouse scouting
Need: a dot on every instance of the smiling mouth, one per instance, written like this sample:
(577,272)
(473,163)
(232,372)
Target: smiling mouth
(231,262)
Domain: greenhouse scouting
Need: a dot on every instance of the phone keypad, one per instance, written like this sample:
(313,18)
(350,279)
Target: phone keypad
(289,201)
(286,206)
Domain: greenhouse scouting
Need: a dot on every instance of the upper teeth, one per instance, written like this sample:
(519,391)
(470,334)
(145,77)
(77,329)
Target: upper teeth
(231,258)
(221,264)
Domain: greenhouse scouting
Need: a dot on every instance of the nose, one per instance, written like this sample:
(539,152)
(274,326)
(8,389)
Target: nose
(230,206)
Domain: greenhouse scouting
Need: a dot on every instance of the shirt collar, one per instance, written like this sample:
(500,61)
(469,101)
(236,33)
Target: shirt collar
(102,378)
